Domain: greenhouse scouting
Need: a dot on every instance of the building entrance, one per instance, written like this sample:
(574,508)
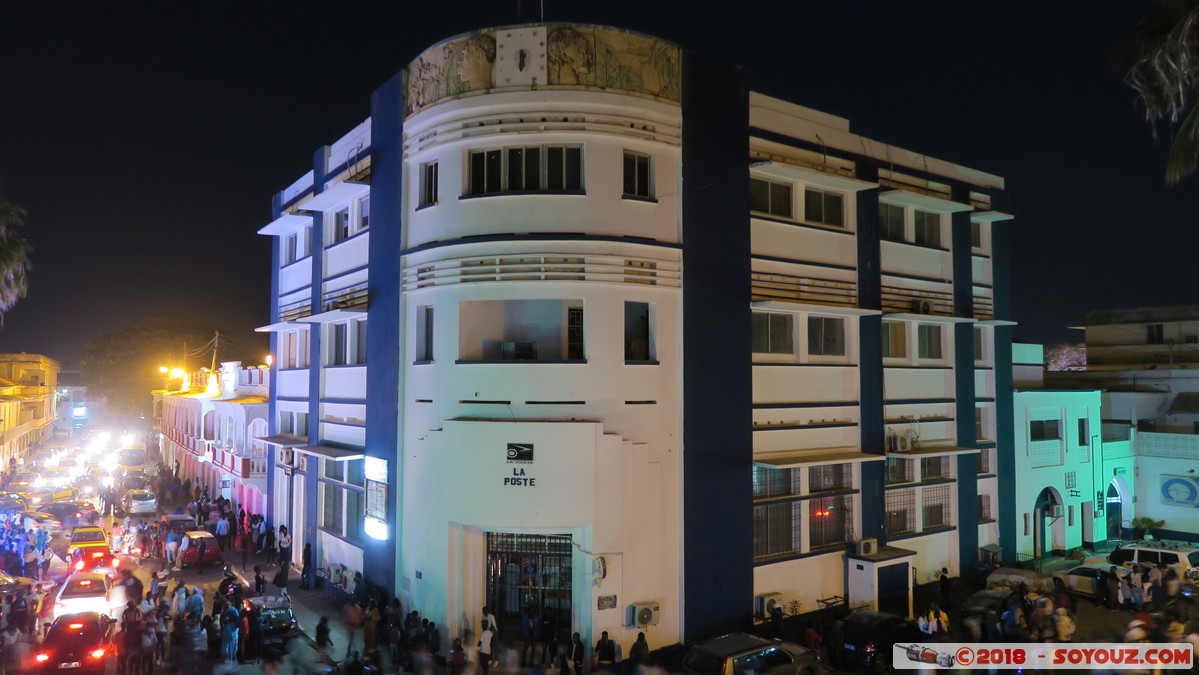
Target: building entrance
(529,570)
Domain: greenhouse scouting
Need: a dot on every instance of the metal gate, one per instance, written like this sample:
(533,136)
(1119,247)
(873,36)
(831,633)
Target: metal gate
(529,570)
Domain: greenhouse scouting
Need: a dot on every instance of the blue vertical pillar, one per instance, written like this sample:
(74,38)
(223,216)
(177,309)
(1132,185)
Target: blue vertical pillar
(386,343)
(717,391)
(311,524)
(272,419)
(965,395)
(1005,434)
(870,356)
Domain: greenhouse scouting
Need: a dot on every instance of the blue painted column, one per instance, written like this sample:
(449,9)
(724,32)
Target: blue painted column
(272,419)
(871,424)
(1005,435)
(717,389)
(310,519)
(386,338)
(963,370)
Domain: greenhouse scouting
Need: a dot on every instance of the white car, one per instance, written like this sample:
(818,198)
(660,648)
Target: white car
(1085,578)
(140,501)
(86,592)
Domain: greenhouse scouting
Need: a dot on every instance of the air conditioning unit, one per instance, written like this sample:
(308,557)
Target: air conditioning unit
(905,443)
(1054,510)
(867,546)
(765,603)
(644,613)
(922,306)
(287,457)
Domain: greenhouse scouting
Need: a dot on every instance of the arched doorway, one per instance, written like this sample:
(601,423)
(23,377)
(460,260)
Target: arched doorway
(1116,500)
(1049,526)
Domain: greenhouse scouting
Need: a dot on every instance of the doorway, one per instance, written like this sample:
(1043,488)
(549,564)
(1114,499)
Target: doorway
(1115,511)
(529,570)
(893,589)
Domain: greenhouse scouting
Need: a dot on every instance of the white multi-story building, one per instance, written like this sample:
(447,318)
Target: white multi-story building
(575,321)
(210,428)
(28,402)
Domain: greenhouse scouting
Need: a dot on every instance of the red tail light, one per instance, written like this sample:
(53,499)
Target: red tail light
(116,562)
(98,654)
(79,566)
(42,657)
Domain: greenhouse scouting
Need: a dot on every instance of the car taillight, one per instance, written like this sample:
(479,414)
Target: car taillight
(98,653)
(78,567)
(870,646)
(116,562)
(42,657)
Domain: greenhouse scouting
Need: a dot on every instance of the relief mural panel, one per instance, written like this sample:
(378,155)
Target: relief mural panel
(576,56)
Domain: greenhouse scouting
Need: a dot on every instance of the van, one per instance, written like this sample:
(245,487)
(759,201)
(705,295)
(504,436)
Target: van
(1183,558)
(741,654)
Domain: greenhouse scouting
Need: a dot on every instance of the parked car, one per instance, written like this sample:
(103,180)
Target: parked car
(1182,557)
(868,638)
(140,501)
(986,601)
(86,592)
(212,550)
(87,534)
(76,643)
(275,618)
(741,653)
(1084,579)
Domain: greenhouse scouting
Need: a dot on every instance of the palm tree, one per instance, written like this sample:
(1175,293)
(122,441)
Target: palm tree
(1165,75)
(14,257)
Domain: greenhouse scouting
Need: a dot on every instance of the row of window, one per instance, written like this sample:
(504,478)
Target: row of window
(1051,430)
(906,515)
(903,469)
(533,168)
(344,344)
(778,527)
(340,225)
(774,333)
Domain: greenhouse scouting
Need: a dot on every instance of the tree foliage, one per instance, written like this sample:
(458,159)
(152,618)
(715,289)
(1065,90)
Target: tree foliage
(1066,357)
(122,367)
(1165,75)
(14,256)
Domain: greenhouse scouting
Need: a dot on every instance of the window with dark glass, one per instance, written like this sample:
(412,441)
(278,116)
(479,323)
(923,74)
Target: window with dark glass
(428,183)
(823,207)
(339,343)
(772,333)
(340,228)
(360,341)
(829,521)
(770,197)
(928,229)
(526,169)
(424,333)
(826,336)
(827,477)
(890,222)
(772,482)
(1084,435)
(333,517)
(636,175)
(776,530)
(637,345)
(929,346)
(1044,430)
(895,339)
(1155,334)
(976,234)
(290,248)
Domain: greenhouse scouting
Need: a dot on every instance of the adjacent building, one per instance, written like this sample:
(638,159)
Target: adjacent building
(209,430)
(28,402)
(575,321)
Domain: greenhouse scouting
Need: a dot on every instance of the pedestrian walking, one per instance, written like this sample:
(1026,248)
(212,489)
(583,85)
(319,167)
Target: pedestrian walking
(281,580)
(946,587)
(306,569)
(200,550)
(353,617)
(578,651)
(485,637)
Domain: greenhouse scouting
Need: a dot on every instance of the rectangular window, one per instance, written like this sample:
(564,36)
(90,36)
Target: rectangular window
(1155,334)
(1071,479)
(830,520)
(771,482)
(901,510)
(899,470)
(890,222)
(980,355)
(772,333)
(428,183)
(980,424)
(770,197)
(1044,430)
(929,346)
(826,336)
(424,333)
(363,214)
(823,207)
(521,330)
(334,470)
(928,229)
(976,235)
(637,346)
(300,423)
(934,468)
(984,508)
(636,175)
(332,516)
(895,340)
(355,472)
(360,341)
(776,530)
(354,501)
(1084,436)
(526,169)
(936,507)
(291,248)
(302,346)
(288,348)
(338,343)
(339,226)
(982,461)
(830,477)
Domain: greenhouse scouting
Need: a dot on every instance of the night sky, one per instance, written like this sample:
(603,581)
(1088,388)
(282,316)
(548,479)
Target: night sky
(146,139)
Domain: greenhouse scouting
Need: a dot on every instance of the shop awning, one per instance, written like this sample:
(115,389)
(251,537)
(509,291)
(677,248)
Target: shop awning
(330,452)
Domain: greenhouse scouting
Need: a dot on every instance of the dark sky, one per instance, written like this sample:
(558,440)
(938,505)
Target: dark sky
(145,139)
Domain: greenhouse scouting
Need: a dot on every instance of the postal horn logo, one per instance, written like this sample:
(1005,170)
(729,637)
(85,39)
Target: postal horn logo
(520,453)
